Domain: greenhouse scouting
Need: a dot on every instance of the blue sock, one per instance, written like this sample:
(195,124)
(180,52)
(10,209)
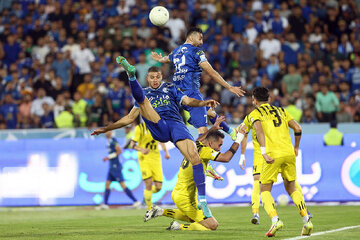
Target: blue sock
(106,196)
(136,90)
(129,194)
(199,178)
(223,124)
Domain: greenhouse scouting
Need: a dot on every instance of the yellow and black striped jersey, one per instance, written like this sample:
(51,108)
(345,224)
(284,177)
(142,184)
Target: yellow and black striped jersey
(274,121)
(143,138)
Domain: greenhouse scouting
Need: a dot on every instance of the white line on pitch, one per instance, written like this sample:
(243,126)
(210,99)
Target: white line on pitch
(325,232)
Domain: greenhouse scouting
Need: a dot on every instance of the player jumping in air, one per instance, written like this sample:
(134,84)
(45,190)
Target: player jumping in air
(189,61)
(271,125)
(158,104)
(149,161)
(115,173)
(184,193)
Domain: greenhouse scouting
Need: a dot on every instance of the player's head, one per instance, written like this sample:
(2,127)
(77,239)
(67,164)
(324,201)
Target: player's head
(215,140)
(260,95)
(195,37)
(108,134)
(154,77)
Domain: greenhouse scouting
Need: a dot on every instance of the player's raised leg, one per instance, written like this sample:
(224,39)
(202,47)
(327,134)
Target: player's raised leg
(146,110)
(299,202)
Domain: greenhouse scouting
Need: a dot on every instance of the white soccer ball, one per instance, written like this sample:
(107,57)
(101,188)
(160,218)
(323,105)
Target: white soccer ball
(159,15)
(282,200)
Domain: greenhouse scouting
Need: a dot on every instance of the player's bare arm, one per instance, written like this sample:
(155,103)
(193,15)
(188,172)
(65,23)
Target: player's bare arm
(215,127)
(217,77)
(243,148)
(124,121)
(158,57)
(167,155)
(118,151)
(139,149)
(261,139)
(297,132)
(192,102)
(228,155)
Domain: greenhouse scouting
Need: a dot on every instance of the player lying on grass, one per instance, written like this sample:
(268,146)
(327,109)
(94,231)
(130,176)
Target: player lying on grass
(115,171)
(271,125)
(189,61)
(149,161)
(158,104)
(184,193)
(257,166)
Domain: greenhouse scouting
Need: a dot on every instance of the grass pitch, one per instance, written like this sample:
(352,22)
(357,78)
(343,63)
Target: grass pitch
(127,224)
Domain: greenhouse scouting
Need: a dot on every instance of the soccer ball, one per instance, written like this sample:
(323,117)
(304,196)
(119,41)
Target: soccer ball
(159,15)
(282,200)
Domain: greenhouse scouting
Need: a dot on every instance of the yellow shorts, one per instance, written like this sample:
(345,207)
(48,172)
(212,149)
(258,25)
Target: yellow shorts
(188,206)
(284,165)
(151,168)
(258,163)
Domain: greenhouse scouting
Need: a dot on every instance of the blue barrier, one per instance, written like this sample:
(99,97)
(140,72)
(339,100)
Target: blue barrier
(70,171)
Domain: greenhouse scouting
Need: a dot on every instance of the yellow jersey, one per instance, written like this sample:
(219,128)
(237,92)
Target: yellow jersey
(143,138)
(274,121)
(185,184)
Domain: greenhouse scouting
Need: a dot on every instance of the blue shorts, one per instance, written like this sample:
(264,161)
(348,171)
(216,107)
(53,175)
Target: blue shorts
(198,115)
(168,130)
(115,175)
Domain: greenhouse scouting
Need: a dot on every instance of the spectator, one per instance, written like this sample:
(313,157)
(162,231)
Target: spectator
(327,104)
(278,24)
(273,68)
(333,137)
(294,111)
(290,50)
(153,48)
(292,81)
(308,116)
(297,22)
(353,75)
(62,67)
(116,98)
(65,119)
(79,110)
(87,85)
(9,112)
(41,50)
(47,120)
(97,116)
(11,50)
(59,105)
(36,107)
(237,21)
(269,46)
(176,26)
(141,69)
(342,115)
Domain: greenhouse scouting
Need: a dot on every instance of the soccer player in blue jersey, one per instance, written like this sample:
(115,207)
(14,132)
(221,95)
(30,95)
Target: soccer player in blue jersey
(158,104)
(115,169)
(189,61)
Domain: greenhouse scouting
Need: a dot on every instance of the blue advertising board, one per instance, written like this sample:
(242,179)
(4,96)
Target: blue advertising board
(70,171)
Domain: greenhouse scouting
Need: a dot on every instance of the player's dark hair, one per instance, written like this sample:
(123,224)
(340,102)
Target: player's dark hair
(193,30)
(216,135)
(261,94)
(154,69)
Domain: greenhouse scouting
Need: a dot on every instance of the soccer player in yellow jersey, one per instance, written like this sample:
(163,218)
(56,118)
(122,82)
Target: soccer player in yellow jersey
(184,194)
(149,161)
(257,167)
(271,125)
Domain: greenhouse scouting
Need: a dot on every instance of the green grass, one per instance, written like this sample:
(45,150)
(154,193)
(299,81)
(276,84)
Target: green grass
(127,224)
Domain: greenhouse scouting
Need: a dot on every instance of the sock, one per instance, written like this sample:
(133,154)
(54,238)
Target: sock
(176,214)
(195,226)
(298,188)
(223,124)
(154,189)
(255,197)
(269,204)
(299,202)
(199,178)
(129,194)
(106,196)
(147,198)
(136,90)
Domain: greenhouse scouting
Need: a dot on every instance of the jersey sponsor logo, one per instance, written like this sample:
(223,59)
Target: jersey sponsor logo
(163,100)
(200,52)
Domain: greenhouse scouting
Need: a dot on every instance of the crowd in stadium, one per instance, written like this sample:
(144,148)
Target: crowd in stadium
(58,65)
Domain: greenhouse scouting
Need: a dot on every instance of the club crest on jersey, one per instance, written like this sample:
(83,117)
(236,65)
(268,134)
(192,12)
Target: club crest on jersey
(183,49)
(165,90)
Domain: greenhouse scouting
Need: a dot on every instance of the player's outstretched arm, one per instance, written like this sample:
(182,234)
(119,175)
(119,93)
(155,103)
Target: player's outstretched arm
(133,114)
(134,146)
(215,127)
(297,132)
(219,79)
(192,102)
(261,139)
(158,57)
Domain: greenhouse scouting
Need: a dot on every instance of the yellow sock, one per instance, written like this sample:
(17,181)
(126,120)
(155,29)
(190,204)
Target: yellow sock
(147,198)
(176,214)
(298,188)
(195,226)
(268,203)
(255,197)
(299,202)
(154,189)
